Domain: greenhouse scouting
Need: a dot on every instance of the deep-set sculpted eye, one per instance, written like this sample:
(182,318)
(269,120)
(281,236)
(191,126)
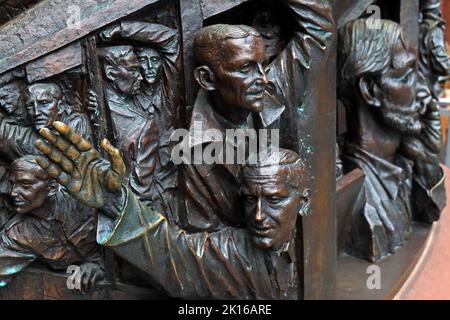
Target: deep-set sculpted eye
(246,68)
(275,200)
(249,199)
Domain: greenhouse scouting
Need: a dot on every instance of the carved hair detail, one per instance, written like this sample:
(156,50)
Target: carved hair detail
(209,41)
(365,48)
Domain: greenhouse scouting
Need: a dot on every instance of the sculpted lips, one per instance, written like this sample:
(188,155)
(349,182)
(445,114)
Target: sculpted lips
(41,121)
(256,93)
(260,230)
(19,202)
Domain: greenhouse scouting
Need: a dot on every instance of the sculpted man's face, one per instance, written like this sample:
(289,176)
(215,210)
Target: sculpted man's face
(240,78)
(265,23)
(10,98)
(28,191)
(126,75)
(397,92)
(271,207)
(42,106)
(151,63)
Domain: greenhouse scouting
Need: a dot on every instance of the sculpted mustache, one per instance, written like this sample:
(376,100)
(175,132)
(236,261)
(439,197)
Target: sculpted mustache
(406,111)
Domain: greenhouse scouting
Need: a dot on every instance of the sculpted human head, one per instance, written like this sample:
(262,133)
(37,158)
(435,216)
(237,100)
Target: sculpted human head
(274,194)
(150,61)
(11,99)
(30,185)
(122,69)
(43,101)
(378,70)
(231,63)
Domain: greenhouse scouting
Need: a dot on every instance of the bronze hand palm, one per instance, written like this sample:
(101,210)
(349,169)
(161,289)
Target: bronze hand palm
(76,165)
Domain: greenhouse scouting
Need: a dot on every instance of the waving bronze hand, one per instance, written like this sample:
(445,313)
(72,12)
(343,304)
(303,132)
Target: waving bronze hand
(76,165)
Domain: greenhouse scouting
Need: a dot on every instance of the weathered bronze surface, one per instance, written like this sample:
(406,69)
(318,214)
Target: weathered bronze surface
(393,136)
(93,97)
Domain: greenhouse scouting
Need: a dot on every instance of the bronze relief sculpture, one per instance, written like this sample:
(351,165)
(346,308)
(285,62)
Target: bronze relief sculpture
(259,259)
(391,137)
(104,128)
(49,226)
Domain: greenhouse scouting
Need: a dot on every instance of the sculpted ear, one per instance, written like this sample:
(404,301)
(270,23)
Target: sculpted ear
(369,90)
(109,72)
(305,203)
(205,78)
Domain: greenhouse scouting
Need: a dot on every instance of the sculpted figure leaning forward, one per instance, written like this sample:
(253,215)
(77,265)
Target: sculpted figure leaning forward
(44,103)
(230,70)
(253,263)
(49,226)
(157,50)
(390,137)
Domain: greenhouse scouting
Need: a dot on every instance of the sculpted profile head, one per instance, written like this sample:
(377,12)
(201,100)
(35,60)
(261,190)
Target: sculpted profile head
(378,70)
(231,62)
(122,69)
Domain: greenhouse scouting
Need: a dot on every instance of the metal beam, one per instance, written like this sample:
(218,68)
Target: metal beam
(53,24)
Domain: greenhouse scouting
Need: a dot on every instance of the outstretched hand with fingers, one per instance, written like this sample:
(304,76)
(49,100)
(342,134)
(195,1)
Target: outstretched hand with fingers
(76,165)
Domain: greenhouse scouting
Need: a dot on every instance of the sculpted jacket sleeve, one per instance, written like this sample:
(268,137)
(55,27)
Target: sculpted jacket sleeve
(429,202)
(311,40)
(16,140)
(211,265)
(165,40)
(303,58)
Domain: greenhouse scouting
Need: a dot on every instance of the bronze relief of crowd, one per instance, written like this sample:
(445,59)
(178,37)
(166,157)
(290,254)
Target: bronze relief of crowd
(69,191)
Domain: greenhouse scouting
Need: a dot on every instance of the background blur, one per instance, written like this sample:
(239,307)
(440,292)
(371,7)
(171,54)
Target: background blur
(444,118)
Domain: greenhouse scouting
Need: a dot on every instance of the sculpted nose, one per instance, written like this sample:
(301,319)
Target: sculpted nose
(152,64)
(34,108)
(258,213)
(14,193)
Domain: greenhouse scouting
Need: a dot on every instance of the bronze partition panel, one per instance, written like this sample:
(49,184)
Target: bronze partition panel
(136,71)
